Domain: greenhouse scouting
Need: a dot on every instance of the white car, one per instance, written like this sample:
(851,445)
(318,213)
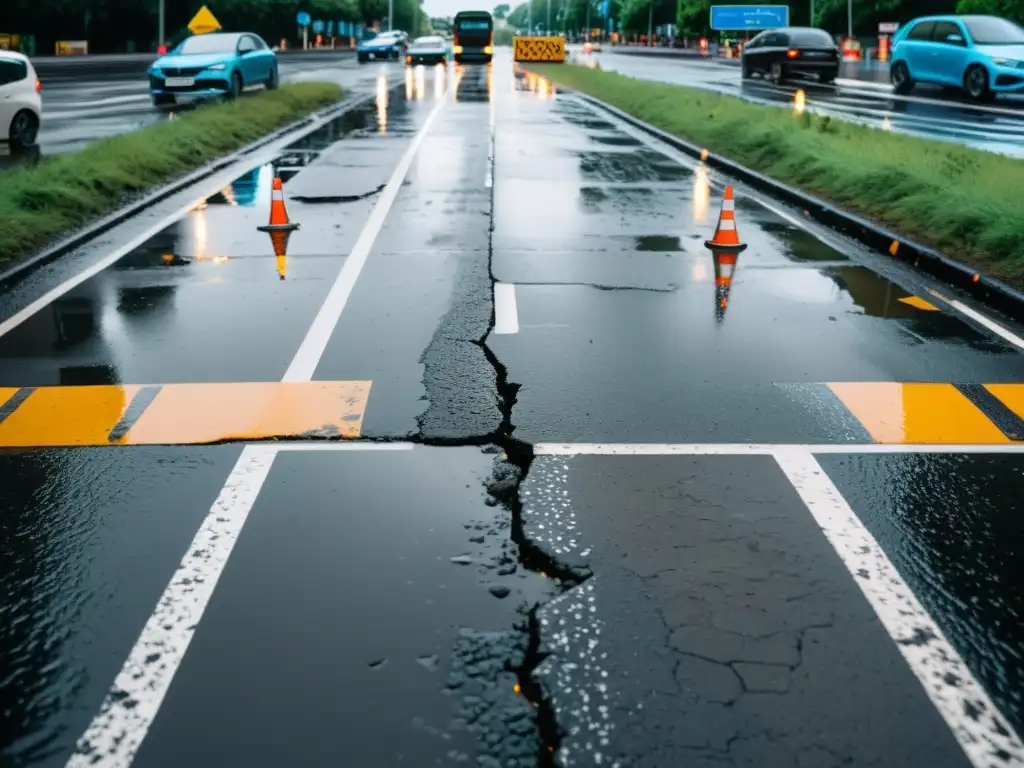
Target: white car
(21,107)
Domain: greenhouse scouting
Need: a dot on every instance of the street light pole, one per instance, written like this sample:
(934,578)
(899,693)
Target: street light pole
(849,18)
(650,23)
(391,15)
(529,18)
(547,28)
(160,27)
(812,13)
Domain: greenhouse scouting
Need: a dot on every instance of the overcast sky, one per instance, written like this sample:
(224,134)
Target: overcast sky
(451,7)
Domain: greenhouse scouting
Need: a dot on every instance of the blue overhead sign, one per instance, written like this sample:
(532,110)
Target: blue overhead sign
(318,27)
(734,18)
(303,19)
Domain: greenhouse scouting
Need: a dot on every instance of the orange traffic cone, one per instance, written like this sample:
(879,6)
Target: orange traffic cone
(278,213)
(279,228)
(726,238)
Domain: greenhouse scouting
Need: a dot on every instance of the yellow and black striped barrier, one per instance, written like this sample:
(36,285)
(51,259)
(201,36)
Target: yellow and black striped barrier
(550,49)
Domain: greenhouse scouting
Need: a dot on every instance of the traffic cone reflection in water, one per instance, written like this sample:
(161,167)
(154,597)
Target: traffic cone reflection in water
(280,227)
(725,247)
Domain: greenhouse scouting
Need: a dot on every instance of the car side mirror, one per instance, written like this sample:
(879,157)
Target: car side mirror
(955,39)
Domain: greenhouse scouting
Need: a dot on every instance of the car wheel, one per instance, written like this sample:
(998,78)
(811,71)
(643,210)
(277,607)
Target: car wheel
(900,77)
(23,130)
(236,86)
(827,77)
(362,58)
(778,73)
(976,82)
(163,100)
(272,80)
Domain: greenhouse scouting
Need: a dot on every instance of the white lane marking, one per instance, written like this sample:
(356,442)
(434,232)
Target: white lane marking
(209,187)
(980,319)
(306,359)
(957,695)
(859,84)
(823,237)
(116,733)
(506,314)
(746,449)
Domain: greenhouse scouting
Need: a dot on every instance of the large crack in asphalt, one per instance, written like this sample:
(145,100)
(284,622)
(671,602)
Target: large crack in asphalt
(472,403)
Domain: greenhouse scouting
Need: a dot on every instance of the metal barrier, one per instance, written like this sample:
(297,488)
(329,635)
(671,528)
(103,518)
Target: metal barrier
(539,49)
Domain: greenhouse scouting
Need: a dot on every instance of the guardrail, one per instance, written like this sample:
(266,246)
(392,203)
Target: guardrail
(109,65)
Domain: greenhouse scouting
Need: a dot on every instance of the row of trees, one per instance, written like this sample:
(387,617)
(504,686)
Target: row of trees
(126,25)
(692,16)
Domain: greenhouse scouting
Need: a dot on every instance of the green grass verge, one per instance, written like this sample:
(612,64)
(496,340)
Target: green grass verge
(964,202)
(41,202)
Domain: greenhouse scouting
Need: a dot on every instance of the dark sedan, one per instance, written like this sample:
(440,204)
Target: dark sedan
(781,53)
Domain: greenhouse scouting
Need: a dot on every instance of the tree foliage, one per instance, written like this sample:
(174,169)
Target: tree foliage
(501,11)
(121,25)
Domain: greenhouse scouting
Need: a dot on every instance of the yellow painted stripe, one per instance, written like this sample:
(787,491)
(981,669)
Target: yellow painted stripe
(1012,396)
(6,393)
(918,303)
(188,413)
(917,413)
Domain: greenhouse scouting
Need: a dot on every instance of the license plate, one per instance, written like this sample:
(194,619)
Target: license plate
(373,55)
(179,82)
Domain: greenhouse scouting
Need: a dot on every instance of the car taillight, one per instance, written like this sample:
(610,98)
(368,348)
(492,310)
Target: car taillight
(39,85)
(792,53)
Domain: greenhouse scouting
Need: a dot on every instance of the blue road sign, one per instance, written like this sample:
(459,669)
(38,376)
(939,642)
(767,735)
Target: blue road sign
(739,17)
(604,7)
(303,19)
(330,28)
(318,27)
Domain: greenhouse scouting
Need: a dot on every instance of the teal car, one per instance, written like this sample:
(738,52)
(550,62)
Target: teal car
(210,66)
(983,55)
(386,45)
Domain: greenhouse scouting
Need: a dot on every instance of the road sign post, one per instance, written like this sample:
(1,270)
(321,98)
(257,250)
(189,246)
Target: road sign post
(303,19)
(737,18)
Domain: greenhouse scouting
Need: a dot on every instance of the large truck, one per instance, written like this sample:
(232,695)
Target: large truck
(473,36)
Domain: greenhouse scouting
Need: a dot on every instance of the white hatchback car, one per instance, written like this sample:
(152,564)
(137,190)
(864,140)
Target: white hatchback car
(21,107)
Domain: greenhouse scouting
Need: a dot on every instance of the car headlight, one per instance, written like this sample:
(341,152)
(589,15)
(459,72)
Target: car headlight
(216,67)
(1007,63)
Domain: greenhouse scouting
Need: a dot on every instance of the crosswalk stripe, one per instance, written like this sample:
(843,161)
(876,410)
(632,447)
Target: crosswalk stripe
(183,414)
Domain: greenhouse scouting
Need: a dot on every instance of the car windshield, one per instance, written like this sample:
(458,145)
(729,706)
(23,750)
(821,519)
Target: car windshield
(208,44)
(428,42)
(810,37)
(989,30)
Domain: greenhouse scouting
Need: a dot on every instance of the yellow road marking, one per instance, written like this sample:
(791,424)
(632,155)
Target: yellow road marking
(917,413)
(187,413)
(918,303)
(6,393)
(1012,396)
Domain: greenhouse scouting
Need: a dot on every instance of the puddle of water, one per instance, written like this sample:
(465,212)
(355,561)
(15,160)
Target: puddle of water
(876,296)
(632,167)
(795,244)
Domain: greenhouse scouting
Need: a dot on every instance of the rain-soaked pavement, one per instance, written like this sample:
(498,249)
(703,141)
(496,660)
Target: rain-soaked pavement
(607,505)
(928,112)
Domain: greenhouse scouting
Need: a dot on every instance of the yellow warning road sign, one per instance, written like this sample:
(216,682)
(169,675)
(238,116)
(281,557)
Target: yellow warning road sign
(204,21)
(538,48)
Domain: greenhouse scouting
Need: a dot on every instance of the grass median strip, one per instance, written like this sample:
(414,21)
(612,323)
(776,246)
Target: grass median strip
(42,202)
(964,202)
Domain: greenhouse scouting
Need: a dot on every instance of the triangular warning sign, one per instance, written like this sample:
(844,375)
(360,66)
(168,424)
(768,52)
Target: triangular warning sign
(204,21)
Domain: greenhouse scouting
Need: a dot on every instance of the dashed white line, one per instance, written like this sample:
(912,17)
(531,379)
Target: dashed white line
(506,314)
(984,735)
(116,733)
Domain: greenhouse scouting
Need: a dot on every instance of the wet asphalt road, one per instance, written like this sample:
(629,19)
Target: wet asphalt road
(605,511)
(928,112)
(78,111)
